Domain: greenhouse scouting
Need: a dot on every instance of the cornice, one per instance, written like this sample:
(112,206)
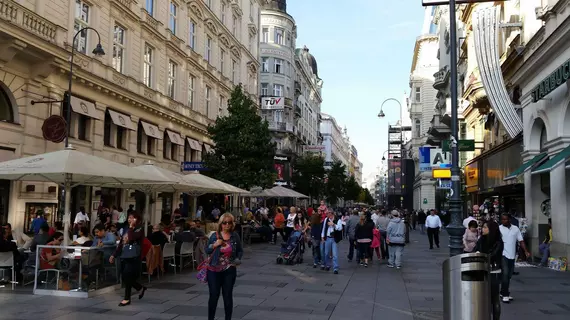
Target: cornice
(417,46)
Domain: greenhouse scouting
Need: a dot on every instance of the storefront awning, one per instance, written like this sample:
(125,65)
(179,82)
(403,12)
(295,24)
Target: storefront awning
(121,120)
(151,130)
(525,166)
(194,145)
(560,158)
(84,107)
(175,138)
(208,148)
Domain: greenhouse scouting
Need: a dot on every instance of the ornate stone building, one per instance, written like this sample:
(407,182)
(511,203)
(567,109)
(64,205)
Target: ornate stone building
(169,68)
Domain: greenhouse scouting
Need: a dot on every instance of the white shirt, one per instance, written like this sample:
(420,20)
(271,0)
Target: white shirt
(82,240)
(433,221)
(375,218)
(328,230)
(510,236)
(81,217)
(291,220)
(467,220)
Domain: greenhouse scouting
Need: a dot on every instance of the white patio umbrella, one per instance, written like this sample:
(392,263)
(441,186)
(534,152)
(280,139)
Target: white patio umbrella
(222,187)
(70,168)
(282,192)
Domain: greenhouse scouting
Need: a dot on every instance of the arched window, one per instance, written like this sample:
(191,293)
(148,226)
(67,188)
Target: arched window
(543,138)
(6,104)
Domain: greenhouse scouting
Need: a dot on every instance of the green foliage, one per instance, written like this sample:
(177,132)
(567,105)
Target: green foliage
(308,175)
(243,152)
(368,198)
(335,183)
(352,189)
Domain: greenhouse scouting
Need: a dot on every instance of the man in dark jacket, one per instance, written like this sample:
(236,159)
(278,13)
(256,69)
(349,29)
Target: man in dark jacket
(422,220)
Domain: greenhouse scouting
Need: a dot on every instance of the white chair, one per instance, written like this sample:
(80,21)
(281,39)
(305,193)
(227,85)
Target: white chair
(7,261)
(168,254)
(186,251)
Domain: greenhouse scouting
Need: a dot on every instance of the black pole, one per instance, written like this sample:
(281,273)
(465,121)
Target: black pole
(455,229)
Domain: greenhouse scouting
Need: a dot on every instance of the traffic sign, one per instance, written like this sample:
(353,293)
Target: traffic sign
(462,145)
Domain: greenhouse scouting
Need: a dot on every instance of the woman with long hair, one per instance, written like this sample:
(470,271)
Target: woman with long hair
(316,230)
(491,243)
(363,235)
(225,250)
(129,251)
(290,222)
(278,225)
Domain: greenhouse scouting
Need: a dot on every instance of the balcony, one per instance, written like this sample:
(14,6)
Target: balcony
(151,23)
(281,126)
(17,14)
(288,103)
(298,88)
(441,79)
(298,112)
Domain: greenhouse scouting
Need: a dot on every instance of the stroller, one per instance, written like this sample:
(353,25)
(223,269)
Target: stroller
(292,250)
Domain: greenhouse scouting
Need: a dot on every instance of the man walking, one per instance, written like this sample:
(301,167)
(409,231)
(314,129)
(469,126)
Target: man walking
(396,240)
(382,225)
(433,224)
(350,229)
(331,235)
(511,236)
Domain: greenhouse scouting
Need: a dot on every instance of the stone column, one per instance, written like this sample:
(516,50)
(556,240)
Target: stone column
(559,210)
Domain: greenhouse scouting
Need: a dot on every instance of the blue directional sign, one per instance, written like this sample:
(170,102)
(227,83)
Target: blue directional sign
(193,166)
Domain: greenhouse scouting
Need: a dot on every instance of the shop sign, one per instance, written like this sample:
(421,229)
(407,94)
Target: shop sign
(438,158)
(54,129)
(273,103)
(423,154)
(193,166)
(462,145)
(550,83)
(281,158)
(444,184)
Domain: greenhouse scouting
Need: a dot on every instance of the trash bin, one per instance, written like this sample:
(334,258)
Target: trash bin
(466,287)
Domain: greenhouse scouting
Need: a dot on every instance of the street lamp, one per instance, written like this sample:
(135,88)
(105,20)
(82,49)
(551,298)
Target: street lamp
(98,51)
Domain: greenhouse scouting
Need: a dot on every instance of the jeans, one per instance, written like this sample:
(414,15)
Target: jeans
(422,228)
(544,248)
(316,251)
(331,248)
(433,235)
(364,250)
(131,269)
(221,281)
(507,272)
(396,255)
(351,247)
(495,298)
(383,244)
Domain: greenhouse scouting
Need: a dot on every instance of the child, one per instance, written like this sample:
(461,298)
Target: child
(375,243)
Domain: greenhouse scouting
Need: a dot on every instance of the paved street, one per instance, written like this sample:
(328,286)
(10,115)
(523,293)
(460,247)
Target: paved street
(266,290)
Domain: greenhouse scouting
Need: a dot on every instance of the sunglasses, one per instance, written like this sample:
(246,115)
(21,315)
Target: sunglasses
(227,222)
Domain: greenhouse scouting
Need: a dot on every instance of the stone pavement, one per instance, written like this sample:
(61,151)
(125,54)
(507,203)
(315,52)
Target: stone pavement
(265,290)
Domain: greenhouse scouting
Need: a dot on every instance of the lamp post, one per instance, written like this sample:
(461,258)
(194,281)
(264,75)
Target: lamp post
(98,51)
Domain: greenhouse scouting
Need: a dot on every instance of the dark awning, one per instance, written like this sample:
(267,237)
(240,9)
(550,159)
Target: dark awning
(525,166)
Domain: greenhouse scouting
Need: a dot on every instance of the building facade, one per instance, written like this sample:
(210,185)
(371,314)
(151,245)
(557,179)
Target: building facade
(335,142)
(168,71)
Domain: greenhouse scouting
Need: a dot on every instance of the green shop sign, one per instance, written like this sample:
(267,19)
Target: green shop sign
(553,81)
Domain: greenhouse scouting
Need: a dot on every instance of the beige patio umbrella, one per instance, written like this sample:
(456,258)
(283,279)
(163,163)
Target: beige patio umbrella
(282,192)
(218,185)
(70,168)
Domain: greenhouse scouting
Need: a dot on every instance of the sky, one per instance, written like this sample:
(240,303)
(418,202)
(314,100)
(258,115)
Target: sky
(364,51)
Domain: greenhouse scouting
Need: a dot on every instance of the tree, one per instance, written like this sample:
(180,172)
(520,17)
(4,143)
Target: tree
(352,189)
(243,152)
(335,182)
(368,198)
(309,175)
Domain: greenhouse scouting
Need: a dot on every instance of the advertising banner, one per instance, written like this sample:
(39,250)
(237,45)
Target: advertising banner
(423,154)
(282,166)
(394,177)
(273,103)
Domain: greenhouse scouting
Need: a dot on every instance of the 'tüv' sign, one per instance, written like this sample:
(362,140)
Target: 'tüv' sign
(273,103)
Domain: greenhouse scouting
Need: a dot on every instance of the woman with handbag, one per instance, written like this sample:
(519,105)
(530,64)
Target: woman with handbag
(225,251)
(129,251)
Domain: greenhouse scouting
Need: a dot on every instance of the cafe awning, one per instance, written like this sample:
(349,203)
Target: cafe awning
(525,166)
(175,138)
(84,107)
(121,120)
(208,148)
(194,144)
(560,158)
(151,130)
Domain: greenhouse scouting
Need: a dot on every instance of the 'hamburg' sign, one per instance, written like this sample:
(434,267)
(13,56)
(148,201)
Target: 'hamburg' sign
(550,83)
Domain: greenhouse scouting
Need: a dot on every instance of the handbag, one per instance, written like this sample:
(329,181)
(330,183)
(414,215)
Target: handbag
(202,268)
(131,251)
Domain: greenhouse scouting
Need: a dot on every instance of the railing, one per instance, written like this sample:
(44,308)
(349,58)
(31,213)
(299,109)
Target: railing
(281,126)
(19,15)
(149,20)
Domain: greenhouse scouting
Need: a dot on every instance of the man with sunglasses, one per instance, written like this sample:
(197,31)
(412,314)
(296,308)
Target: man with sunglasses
(331,235)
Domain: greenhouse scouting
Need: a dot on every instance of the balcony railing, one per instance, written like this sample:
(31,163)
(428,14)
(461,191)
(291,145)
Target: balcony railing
(281,126)
(17,14)
(441,78)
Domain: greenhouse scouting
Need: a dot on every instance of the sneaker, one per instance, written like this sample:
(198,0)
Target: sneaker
(399,267)
(335,272)
(390,266)
(322,267)
(361,263)
(314,265)
(506,300)
(366,265)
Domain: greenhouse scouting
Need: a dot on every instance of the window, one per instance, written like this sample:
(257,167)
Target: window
(418,96)
(191,154)
(171,85)
(208,48)
(222,60)
(264,89)
(114,135)
(234,72)
(278,90)
(279,36)
(418,128)
(192,35)
(147,66)
(234,25)
(208,95)
(223,13)
(172,17)
(118,48)
(221,109)
(145,144)
(191,81)
(278,65)
(169,149)
(82,19)
(265,35)
(149,6)
(6,108)
(264,64)
(79,126)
